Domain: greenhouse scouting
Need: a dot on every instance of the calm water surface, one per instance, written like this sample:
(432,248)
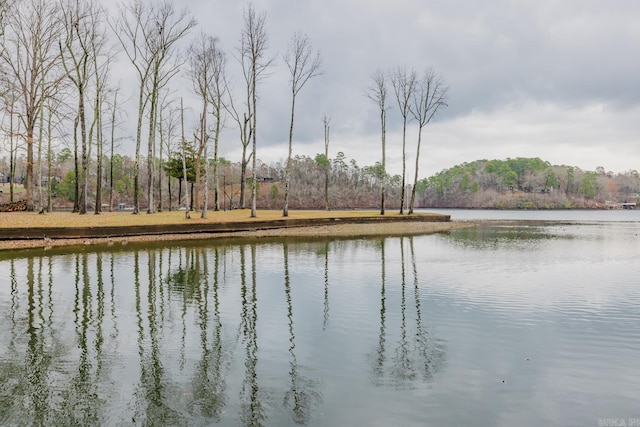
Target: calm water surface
(532,320)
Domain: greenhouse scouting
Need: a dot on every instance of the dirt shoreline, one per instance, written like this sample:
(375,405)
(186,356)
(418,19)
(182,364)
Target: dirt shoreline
(342,229)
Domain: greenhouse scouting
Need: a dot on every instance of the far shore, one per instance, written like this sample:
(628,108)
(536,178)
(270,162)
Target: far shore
(22,230)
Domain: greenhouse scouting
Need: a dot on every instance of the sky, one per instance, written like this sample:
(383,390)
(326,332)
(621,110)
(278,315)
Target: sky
(559,80)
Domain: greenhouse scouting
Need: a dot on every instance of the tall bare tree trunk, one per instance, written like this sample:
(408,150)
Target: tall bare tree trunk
(327,168)
(97,113)
(254,127)
(12,148)
(415,177)
(287,170)
(378,94)
(429,96)
(253,48)
(76,166)
(49,162)
(302,66)
(202,152)
(383,172)
(83,153)
(96,127)
(187,214)
(99,159)
(160,162)
(136,163)
(243,178)
(113,129)
(205,201)
(403,82)
(216,138)
(40,137)
(30,202)
(150,151)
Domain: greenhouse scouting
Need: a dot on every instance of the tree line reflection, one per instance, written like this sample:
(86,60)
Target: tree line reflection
(172,336)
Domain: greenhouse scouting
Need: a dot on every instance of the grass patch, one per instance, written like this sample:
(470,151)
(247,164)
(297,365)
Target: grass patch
(17,188)
(123,219)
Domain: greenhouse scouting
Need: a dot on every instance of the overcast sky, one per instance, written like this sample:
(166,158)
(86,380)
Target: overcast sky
(559,80)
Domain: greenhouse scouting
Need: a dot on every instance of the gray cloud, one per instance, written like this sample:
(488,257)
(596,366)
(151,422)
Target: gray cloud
(558,80)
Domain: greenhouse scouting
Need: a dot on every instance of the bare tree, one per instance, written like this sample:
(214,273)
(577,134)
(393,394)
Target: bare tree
(149,36)
(429,97)
(75,50)
(253,46)
(29,57)
(217,93)
(303,65)
(403,82)
(170,26)
(167,125)
(102,57)
(76,165)
(11,98)
(114,111)
(207,74)
(183,146)
(378,94)
(86,60)
(326,121)
(39,162)
(56,119)
(201,76)
(50,114)
(130,31)
(5,5)
(243,122)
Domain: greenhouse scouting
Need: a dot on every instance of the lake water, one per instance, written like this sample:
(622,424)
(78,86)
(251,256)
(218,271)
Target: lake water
(532,320)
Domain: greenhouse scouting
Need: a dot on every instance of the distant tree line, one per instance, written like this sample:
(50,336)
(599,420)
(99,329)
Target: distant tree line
(321,182)
(527,183)
(318,182)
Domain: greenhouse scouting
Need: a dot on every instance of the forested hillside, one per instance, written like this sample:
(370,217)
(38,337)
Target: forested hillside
(340,183)
(527,183)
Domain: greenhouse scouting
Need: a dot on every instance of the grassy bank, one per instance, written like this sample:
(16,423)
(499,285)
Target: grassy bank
(238,225)
(123,219)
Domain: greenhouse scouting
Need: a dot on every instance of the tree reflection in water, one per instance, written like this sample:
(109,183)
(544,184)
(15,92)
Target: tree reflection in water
(209,384)
(301,396)
(147,336)
(431,351)
(326,286)
(44,381)
(379,359)
(403,370)
(11,366)
(37,361)
(418,355)
(155,395)
(253,412)
(81,403)
(114,334)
